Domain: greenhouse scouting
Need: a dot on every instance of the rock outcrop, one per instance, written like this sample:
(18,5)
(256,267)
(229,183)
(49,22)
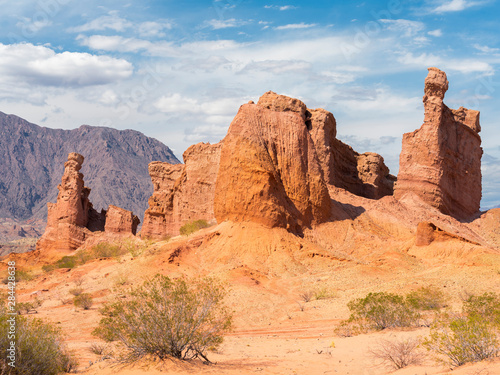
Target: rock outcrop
(441,161)
(428,233)
(269,170)
(182,193)
(273,168)
(119,220)
(72,219)
(365,174)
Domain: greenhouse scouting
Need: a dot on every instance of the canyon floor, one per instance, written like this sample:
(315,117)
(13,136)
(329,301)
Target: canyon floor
(267,271)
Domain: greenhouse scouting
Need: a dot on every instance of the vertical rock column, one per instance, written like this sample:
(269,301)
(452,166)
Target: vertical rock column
(441,161)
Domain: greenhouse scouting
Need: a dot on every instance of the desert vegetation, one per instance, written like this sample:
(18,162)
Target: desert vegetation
(167,318)
(193,226)
(101,250)
(39,348)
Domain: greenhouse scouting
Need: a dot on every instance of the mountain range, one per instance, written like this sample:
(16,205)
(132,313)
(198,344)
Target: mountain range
(32,163)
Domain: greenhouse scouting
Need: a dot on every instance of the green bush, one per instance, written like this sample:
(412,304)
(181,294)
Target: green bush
(83,300)
(426,298)
(193,226)
(166,318)
(383,310)
(48,267)
(463,339)
(38,351)
(486,306)
(67,262)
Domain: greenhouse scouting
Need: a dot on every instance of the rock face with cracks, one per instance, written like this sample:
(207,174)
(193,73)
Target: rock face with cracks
(72,219)
(182,193)
(441,161)
(273,168)
(269,170)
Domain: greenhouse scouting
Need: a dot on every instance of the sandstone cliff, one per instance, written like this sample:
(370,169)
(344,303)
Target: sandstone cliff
(269,170)
(273,168)
(182,193)
(72,219)
(441,161)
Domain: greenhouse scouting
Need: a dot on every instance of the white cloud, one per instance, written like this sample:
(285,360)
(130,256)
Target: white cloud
(281,8)
(278,66)
(406,27)
(111,21)
(224,24)
(153,29)
(461,65)
(42,66)
(436,33)
(293,26)
(485,49)
(454,6)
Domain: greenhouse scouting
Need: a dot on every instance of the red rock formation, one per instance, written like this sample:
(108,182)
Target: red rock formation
(441,161)
(269,171)
(72,218)
(182,193)
(119,220)
(365,174)
(274,164)
(428,233)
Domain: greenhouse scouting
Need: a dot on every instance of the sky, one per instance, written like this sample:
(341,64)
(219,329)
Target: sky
(179,70)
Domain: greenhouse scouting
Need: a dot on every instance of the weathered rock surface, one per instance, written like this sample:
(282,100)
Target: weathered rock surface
(269,170)
(115,166)
(72,218)
(441,161)
(428,232)
(182,193)
(272,168)
(365,174)
(119,220)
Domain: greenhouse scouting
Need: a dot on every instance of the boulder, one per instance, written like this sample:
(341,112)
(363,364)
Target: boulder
(441,161)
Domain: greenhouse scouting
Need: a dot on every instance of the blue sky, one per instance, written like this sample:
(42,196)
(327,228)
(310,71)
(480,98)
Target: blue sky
(179,70)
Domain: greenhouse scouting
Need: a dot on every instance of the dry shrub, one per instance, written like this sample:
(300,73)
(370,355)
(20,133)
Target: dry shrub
(383,310)
(193,226)
(166,318)
(397,354)
(460,340)
(39,348)
(84,301)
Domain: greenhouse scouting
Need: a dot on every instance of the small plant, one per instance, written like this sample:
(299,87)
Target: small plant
(397,354)
(83,300)
(383,310)
(486,306)
(121,279)
(38,349)
(323,293)
(193,226)
(28,307)
(101,349)
(426,298)
(24,276)
(76,291)
(48,267)
(107,250)
(306,296)
(463,339)
(166,318)
(67,262)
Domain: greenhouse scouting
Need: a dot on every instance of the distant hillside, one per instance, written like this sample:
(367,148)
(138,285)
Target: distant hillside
(115,168)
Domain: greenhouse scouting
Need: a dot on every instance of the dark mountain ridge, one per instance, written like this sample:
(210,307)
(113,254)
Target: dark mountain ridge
(115,168)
